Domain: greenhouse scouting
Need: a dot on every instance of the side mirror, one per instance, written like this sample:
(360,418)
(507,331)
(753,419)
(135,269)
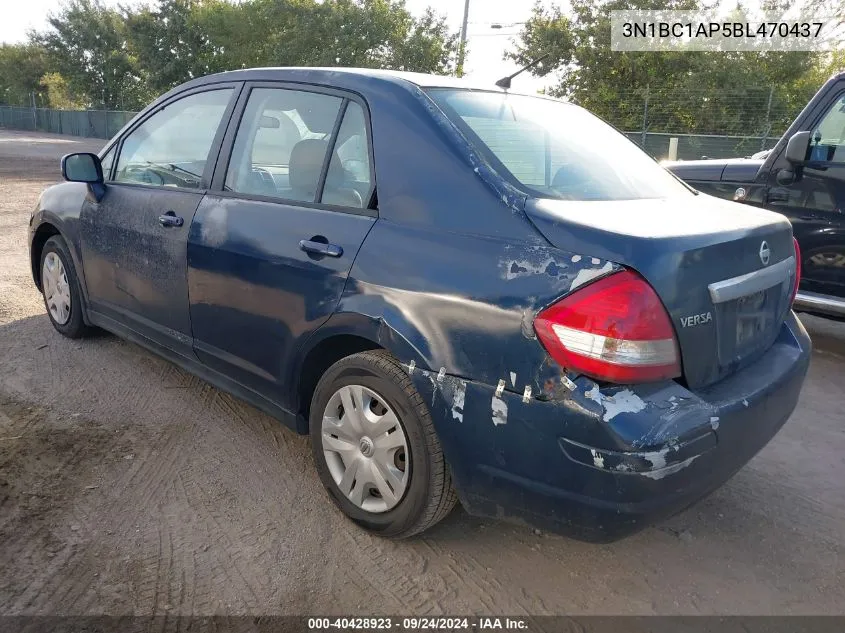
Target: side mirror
(82,167)
(85,167)
(797,148)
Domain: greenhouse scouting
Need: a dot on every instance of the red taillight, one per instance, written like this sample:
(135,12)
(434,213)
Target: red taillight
(616,329)
(797,269)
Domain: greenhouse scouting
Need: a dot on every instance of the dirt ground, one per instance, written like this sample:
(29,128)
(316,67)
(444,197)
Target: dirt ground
(130,487)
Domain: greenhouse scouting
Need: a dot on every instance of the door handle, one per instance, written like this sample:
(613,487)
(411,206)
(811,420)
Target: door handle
(170,219)
(317,247)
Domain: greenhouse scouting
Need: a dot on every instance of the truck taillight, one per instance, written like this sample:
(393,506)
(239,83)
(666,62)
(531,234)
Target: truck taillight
(797,269)
(615,329)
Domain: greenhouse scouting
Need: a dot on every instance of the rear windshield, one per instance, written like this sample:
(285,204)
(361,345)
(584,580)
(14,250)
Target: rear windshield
(554,149)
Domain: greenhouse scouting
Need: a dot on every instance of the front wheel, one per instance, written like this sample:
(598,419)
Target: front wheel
(60,288)
(375,447)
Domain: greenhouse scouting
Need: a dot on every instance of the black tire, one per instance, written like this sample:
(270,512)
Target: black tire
(75,326)
(429,495)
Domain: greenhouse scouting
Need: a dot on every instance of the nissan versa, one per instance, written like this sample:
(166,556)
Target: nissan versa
(458,292)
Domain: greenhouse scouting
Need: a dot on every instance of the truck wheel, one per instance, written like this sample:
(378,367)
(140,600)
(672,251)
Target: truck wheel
(375,447)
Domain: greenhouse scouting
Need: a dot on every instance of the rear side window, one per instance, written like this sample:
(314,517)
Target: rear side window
(171,147)
(348,179)
(554,149)
(282,143)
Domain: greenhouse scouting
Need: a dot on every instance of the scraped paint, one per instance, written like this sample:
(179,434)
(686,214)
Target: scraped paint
(459,399)
(625,401)
(500,411)
(669,470)
(588,274)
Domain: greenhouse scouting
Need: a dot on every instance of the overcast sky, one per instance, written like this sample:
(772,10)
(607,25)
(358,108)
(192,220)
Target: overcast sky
(486,44)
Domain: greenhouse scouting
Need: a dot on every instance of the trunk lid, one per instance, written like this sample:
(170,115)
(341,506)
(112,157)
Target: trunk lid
(702,255)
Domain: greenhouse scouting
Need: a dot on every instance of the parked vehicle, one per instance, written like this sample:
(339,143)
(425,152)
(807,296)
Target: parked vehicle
(803,177)
(458,292)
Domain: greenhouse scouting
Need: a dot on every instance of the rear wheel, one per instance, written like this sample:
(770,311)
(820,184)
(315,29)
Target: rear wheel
(375,447)
(60,288)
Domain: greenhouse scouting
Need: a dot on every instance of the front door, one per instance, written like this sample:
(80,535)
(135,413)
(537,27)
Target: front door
(815,203)
(269,253)
(134,240)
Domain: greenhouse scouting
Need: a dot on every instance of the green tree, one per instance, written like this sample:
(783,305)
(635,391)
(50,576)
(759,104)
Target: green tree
(21,68)
(171,42)
(59,95)
(705,92)
(122,58)
(86,43)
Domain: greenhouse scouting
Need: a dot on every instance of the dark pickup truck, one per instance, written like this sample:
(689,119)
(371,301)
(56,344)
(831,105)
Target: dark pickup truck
(803,177)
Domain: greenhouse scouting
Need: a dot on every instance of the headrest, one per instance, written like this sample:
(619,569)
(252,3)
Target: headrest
(305,165)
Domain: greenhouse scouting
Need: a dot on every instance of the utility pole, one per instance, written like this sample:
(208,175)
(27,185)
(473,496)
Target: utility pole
(645,117)
(34,112)
(463,45)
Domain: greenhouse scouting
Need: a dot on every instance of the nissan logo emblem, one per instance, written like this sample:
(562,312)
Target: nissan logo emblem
(765,253)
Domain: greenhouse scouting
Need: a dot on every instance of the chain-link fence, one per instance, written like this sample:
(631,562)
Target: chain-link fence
(92,123)
(706,123)
(698,146)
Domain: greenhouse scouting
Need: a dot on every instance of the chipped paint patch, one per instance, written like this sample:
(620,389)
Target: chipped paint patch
(657,459)
(459,399)
(514,269)
(588,274)
(745,403)
(714,423)
(411,366)
(598,460)
(513,379)
(625,401)
(500,411)
(528,316)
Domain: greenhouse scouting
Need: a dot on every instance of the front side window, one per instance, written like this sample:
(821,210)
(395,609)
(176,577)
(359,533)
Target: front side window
(106,161)
(282,142)
(827,142)
(554,149)
(170,149)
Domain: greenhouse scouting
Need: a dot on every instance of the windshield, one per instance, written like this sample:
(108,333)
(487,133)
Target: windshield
(555,149)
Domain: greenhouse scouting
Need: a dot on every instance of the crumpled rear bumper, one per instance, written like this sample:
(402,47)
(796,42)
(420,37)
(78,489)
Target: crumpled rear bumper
(602,463)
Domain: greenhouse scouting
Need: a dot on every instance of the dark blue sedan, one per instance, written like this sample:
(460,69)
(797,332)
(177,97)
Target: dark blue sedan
(459,293)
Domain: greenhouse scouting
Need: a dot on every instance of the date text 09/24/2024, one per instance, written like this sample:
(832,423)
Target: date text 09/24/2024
(417,623)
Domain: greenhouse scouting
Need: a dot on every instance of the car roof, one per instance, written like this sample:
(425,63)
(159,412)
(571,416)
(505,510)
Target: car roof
(329,76)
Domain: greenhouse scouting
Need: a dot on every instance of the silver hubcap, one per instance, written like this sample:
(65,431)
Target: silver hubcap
(56,288)
(828,260)
(365,448)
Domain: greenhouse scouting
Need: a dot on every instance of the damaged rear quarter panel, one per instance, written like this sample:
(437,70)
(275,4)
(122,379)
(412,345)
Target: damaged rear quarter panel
(464,302)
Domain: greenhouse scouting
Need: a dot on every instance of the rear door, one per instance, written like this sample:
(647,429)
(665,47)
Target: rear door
(271,247)
(815,204)
(134,240)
